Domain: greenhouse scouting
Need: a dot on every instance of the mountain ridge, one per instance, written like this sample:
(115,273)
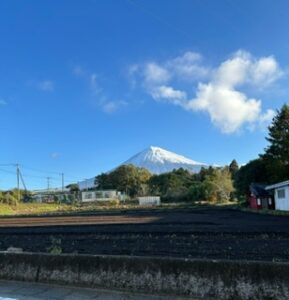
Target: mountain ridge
(158,160)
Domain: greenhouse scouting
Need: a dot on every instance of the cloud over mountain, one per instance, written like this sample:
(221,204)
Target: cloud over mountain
(219,91)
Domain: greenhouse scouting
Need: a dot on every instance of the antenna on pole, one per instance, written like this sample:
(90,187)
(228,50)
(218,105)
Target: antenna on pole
(62,181)
(22,180)
(18,181)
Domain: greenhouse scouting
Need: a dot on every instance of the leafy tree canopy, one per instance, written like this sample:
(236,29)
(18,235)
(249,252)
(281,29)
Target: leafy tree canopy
(126,178)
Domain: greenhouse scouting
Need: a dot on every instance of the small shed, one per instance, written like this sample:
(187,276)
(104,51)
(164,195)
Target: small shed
(259,197)
(281,193)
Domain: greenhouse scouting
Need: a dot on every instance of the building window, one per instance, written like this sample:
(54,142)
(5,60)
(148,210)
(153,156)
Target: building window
(88,196)
(281,193)
(98,195)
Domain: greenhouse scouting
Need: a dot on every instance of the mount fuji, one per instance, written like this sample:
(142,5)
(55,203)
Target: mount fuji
(158,161)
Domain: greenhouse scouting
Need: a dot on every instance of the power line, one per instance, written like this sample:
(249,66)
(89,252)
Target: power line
(22,180)
(40,171)
(6,171)
(48,183)
(50,172)
(21,175)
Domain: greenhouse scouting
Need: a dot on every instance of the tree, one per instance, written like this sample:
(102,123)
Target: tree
(276,155)
(73,187)
(219,185)
(126,178)
(173,185)
(197,191)
(204,172)
(8,197)
(104,182)
(253,171)
(233,168)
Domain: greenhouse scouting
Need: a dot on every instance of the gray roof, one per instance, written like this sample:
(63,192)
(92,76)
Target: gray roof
(277,185)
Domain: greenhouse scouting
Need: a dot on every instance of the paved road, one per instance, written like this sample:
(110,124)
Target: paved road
(12,290)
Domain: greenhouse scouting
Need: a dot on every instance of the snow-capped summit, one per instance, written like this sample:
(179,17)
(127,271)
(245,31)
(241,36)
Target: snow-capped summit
(158,160)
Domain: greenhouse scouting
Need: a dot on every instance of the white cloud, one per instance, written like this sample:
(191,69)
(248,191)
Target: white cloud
(229,107)
(46,86)
(112,106)
(133,69)
(155,74)
(234,71)
(55,155)
(97,93)
(243,68)
(169,94)
(94,86)
(78,71)
(265,71)
(188,66)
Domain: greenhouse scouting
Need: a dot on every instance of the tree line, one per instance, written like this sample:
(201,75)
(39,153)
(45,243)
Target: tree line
(214,184)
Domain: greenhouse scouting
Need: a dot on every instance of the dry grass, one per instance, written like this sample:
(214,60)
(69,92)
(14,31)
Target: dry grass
(54,208)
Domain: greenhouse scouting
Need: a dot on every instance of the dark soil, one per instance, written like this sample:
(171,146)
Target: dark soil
(194,233)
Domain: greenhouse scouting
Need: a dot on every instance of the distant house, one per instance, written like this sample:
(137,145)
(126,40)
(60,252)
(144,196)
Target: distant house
(104,195)
(49,195)
(259,197)
(281,193)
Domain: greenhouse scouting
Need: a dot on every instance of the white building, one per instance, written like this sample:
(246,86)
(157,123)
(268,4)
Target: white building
(149,200)
(281,194)
(105,195)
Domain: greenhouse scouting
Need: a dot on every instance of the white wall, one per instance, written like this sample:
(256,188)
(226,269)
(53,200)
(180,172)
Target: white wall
(149,200)
(283,203)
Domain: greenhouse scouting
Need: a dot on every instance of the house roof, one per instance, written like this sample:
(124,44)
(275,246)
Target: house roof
(259,190)
(277,185)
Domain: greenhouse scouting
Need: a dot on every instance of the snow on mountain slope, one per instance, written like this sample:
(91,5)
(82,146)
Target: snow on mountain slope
(158,160)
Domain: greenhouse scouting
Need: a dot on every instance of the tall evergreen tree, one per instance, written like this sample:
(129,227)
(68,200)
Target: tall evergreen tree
(276,155)
(233,168)
(253,171)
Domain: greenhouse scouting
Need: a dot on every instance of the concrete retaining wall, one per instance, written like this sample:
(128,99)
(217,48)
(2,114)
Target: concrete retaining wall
(206,279)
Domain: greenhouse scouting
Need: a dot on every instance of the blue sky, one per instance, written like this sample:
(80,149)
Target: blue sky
(86,84)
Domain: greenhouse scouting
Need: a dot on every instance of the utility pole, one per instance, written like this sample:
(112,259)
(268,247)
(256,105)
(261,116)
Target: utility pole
(62,180)
(18,181)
